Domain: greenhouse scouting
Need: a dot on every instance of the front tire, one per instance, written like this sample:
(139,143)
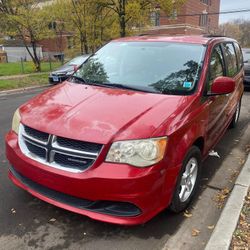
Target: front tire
(188,180)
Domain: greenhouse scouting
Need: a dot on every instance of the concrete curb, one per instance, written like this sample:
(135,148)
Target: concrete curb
(223,232)
(16,91)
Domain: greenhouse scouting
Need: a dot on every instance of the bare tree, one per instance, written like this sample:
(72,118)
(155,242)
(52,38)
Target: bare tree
(25,20)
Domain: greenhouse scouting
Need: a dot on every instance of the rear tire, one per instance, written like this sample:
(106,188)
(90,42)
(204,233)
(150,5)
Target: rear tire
(236,116)
(188,180)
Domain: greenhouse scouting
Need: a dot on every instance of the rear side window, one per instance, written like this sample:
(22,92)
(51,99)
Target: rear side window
(216,67)
(239,56)
(231,59)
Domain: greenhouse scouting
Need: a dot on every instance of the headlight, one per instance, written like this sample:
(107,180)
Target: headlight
(16,121)
(139,153)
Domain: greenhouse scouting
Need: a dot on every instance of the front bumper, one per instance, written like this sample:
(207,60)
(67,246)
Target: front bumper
(58,80)
(112,193)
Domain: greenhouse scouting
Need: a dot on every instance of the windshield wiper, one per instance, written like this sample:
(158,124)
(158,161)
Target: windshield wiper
(80,79)
(120,86)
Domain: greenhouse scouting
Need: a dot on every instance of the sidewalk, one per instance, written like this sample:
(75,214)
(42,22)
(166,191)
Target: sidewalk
(223,232)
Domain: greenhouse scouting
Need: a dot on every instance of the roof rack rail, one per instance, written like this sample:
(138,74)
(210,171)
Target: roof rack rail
(144,34)
(210,35)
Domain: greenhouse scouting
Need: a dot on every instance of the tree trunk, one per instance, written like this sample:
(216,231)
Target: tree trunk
(36,59)
(84,44)
(122,16)
(86,47)
(122,26)
(81,43)
(33,56)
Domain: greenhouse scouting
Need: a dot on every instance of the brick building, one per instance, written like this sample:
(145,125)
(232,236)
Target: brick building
(194,17)
(55,46)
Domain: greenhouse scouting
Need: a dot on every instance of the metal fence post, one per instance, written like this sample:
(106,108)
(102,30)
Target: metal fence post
(50,66)
(22,66)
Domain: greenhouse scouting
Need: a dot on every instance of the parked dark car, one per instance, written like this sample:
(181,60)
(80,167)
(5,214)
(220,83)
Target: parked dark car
(246,56)
(64,72)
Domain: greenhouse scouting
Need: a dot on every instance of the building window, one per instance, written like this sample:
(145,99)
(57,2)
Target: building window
(155,18)
(205,1)
(203,20)
(70,42)
(52,25)
(173,15)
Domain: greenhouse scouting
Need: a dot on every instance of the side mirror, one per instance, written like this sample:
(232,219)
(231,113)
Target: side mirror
(222,85)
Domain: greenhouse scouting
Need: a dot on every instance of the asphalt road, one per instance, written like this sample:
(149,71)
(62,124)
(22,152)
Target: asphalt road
(28,223)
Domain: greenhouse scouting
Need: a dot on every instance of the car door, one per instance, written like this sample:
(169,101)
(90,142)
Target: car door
(233,70)
(216,103)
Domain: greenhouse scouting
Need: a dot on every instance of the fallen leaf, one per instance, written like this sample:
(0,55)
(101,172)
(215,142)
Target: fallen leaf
(195,232)
(247,148)
(225,191)
(52,220)
(187,214)
(13,211)
(221,196)
(242,161)
(210,227)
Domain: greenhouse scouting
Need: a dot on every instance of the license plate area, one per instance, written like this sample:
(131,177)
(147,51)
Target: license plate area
(55,79)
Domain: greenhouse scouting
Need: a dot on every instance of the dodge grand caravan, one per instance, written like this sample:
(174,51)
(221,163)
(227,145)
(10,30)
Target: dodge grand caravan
(125,136)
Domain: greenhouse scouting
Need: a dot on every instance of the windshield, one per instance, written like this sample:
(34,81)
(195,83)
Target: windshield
(246,55)
(161,67)
(77,61)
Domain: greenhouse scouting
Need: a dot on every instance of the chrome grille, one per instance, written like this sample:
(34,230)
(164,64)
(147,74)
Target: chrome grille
(78,145)
(58,74)
(58,152)
(41,136)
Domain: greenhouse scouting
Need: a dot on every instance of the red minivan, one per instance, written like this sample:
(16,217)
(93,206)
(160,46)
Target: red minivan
(125,136)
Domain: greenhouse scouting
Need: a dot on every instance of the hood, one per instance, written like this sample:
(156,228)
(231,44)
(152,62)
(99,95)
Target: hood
(247,66)
(247,69)
(99,114)
(64,69)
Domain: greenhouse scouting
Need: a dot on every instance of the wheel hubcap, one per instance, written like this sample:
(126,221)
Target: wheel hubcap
(188,179)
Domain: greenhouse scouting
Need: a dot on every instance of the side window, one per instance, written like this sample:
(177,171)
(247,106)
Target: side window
(239,56)
(216,67)
(231,59)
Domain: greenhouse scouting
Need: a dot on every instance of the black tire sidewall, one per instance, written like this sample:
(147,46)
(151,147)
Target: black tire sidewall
(177,205)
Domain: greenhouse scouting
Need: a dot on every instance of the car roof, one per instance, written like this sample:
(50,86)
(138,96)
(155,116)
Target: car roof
(246,49)
(195,39)
(81,56)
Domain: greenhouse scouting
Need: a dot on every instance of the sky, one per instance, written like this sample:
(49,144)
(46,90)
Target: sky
(234,5)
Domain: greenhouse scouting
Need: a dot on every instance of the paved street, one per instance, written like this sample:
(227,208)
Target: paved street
(28,223)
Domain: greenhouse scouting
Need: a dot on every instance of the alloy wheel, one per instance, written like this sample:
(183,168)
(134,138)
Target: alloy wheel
(188,179)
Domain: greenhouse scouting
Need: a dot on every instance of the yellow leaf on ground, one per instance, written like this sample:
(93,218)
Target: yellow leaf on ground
(210,227)
(195,232)
(187,214)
